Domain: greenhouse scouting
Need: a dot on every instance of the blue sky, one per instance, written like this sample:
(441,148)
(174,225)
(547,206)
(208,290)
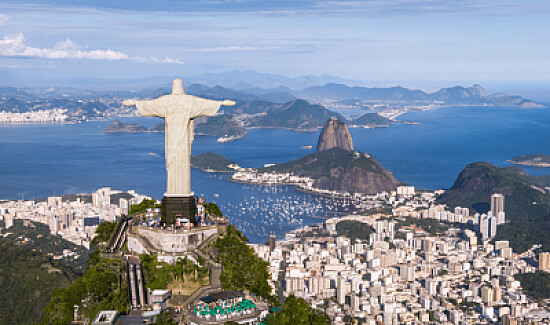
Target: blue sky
(418,43)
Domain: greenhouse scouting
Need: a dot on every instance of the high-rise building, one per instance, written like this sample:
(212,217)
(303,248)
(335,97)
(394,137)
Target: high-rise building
(8,221)
(484,226)
(497,294)
(272,242)
(493,226)
(497,204)
(54,225)
(341,284)
(407,272)
(317,285)
(124,205)
(294,285)
(487,295)
(355,303)
(544,261)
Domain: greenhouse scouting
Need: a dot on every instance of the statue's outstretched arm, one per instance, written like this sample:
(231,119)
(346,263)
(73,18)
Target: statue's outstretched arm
(209,107)
(146,107)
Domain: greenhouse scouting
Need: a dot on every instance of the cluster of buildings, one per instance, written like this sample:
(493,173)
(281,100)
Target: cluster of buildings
(405,275)
(57,115)
(405,203)
(306,184)
(264,178)
(75,220)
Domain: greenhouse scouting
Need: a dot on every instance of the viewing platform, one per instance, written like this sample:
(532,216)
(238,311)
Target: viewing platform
(170,243)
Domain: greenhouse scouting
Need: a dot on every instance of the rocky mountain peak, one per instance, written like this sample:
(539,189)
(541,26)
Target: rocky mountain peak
(478,90)
(335,134)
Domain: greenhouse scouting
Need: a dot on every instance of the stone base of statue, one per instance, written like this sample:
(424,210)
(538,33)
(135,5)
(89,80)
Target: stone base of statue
(178,206)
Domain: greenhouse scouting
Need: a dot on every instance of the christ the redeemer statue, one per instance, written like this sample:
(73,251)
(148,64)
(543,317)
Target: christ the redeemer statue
(178,110)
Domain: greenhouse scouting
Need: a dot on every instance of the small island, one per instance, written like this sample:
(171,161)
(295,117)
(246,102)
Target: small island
(119,127)
(407,122)
(533,160)
(213,162)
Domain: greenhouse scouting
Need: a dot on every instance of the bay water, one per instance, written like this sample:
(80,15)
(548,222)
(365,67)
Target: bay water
(37,161)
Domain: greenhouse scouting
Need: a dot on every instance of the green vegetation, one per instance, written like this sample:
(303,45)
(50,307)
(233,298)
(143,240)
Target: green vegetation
(213,209)
(166,318)
(27,280)
(102,287)
(297,311)
(537,159)
(315,233)
(527,208)
(242,268)
(338,169)
(159,275)
(431,226)
(536,285)
(224,125)
(211,161)
(372,119)
(354,230)
(297,115)
(144,205)
(38,238)
(324,163)
(103,233)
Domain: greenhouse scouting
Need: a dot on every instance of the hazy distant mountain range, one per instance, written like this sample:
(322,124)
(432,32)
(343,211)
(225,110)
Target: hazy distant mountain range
(281,106)
(458,95)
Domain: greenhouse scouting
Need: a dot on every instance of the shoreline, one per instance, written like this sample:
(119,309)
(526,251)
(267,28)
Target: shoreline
(529,164)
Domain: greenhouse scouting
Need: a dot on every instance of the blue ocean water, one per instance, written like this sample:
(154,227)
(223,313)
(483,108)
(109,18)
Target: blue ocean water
(44,160)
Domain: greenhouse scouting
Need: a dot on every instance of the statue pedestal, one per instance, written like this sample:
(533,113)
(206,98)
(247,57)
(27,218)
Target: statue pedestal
(174,207)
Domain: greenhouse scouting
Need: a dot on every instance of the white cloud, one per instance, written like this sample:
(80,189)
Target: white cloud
(14,46)
(4,19)
(157,60)
(229,48)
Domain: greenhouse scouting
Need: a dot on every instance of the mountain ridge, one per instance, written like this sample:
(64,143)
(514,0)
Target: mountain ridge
(527,206)
(340,170)
(457,95)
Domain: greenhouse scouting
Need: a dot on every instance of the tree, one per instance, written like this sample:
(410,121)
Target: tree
(297,311)
(212,209)
(144,205)
(242,268)
(166,318)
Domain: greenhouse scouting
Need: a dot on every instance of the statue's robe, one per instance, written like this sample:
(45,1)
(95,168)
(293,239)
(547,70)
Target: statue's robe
(178,111)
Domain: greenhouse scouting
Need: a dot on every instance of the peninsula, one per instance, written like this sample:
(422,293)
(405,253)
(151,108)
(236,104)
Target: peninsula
(213,162)
(533,160)
(334,168)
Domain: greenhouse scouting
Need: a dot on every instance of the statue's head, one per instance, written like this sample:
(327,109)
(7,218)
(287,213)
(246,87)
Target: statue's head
(177,87)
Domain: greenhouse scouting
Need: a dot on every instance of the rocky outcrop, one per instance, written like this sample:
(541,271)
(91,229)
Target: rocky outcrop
(337,167)
(335,135)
